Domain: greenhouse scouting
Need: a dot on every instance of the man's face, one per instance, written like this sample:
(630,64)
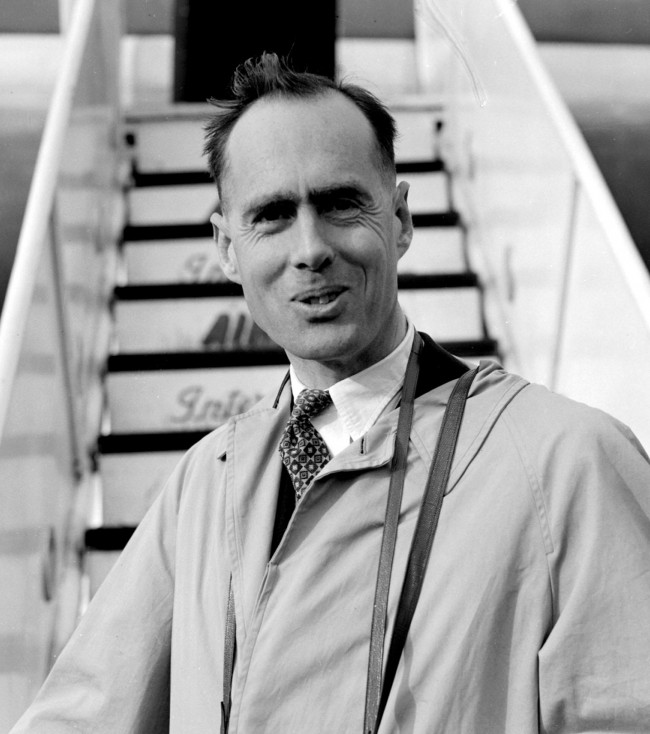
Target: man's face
(313,230)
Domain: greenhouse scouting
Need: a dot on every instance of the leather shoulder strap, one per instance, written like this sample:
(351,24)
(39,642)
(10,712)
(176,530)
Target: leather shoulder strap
(425,531)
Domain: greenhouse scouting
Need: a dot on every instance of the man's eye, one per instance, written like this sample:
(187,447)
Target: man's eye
(342,206)
(274,213)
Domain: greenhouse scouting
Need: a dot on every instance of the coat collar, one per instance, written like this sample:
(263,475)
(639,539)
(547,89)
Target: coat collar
(254,464)
(437,366)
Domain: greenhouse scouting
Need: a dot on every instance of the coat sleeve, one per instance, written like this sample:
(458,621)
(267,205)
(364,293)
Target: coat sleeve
(593,483)
(113,675)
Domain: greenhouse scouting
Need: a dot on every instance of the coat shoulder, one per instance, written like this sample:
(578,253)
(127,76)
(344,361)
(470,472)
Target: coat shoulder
(541,416)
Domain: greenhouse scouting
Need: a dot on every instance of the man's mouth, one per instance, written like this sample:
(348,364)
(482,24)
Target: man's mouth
(321,300)
(321,297)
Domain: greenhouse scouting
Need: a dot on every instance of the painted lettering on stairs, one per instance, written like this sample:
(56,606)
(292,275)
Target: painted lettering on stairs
(234,332)
(202,268)
(198,409)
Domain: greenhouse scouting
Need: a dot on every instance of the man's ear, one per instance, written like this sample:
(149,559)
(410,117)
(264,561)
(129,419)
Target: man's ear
(403,214)
(225,249)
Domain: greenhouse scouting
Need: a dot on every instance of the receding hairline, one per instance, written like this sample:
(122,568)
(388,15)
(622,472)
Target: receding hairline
(386,168)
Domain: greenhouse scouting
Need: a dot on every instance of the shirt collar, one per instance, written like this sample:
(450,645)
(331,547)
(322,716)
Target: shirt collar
(359,400)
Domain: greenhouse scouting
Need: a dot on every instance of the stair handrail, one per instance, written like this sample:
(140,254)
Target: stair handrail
(566,291)
(40,201)
(587,171)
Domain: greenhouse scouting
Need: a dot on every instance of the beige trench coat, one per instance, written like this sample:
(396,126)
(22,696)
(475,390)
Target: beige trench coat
(534,617)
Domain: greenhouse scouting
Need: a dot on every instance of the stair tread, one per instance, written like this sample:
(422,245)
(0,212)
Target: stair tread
(136,361)
(108,538)
(134,443)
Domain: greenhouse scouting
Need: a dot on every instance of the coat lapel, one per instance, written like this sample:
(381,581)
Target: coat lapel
(254,468)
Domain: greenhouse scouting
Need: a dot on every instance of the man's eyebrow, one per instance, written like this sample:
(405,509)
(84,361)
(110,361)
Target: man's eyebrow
(350,191)
(317,196)
(255,206)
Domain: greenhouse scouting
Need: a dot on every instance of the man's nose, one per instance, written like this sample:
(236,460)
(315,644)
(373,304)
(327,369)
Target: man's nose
(312,248)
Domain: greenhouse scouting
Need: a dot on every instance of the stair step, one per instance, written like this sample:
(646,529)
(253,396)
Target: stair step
(171,178)
(187,323)
(172,261)
(145,361)
(429,192)
(184,204)
(202,176)
(175,144)
(194,203)
(103,548)
(146,442)
(196,317)
(209,359)
(108,538)
(131,481)
(98,564)
(185,399)
(164,145)
(433,250)
(417,137)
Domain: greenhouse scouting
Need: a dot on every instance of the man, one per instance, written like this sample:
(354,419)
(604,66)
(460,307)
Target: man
(533,613)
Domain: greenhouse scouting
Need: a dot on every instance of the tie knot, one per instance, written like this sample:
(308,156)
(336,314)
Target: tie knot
(310,403)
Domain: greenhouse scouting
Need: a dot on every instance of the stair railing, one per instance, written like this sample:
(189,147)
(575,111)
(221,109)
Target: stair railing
(52,333)
(567,292)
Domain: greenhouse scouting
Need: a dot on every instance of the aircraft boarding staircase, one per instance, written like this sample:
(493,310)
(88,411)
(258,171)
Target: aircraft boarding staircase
(185,352)
(514,229)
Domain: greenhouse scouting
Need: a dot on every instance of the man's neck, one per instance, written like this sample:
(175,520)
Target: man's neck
(324,374)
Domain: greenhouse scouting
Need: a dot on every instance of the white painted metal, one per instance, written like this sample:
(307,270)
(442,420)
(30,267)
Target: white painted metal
(183,324)
(170,145)
(35,223)
(517,157)
(62,250)
(434,250)
(172,204)
(416,135)
(185,400)
(98,564)
(385,66)
(66,13)
(37,490)
(429,192)
(173,261)
(447,314)
(605,350)
(130,483)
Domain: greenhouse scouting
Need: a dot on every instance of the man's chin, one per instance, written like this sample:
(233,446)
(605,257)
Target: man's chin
(324,348)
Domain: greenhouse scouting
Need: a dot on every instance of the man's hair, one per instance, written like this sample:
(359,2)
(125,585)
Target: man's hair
(271,77)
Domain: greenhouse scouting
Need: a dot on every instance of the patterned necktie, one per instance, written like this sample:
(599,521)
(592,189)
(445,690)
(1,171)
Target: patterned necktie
(302,448)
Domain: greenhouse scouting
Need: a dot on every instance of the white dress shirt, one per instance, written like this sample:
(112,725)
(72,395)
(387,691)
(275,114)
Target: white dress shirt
(359,400)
